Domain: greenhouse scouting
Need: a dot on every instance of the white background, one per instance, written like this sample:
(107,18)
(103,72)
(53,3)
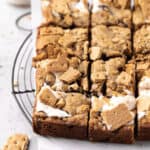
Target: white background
(11,118)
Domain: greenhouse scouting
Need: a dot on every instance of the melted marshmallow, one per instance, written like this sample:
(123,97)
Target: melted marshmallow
(95,98)
(50,111)
(141,114)
(96,4)
(80,6)
(129,100)
(144,86)
(58,84)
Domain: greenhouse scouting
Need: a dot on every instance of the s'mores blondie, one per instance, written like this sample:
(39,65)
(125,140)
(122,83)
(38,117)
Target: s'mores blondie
(143,99)
(112,76)
(112,119)
(63,74)
(53,41)
(108,12)
(61,114)
(120,76)
(112,41)
(65,13)
(141,14)
(113,104)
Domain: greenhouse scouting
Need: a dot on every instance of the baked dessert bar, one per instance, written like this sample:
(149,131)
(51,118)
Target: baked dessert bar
(61,114)
(141,14)
(65,13)
(142,40)
(112,76)
(53,41)
(108,12)
(112,119)
(143,99)
(110,41)
(63,74)
(121,76)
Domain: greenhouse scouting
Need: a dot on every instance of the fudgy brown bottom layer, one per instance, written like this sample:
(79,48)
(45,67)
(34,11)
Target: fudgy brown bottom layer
(55,128)
(123,135)
(144,131)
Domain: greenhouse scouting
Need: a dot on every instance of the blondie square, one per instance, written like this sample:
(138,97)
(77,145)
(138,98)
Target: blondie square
(120,77)
(113,76)
(65,13)
(141,14)
(142,40)
(112,119)
(53,41)
(61,114)
(143,99)
(110,41)
(63,74)
(108,12)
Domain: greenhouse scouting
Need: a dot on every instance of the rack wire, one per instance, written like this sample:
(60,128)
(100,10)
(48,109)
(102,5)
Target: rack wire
(23,84)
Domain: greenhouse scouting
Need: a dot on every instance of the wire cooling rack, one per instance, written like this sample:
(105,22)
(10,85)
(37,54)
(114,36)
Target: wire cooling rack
(23,84)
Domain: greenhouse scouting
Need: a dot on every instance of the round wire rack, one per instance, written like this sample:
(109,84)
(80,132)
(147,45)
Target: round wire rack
(23,84)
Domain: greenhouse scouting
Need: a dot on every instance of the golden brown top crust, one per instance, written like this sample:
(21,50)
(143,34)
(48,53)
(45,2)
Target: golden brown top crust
(115,65)
(116,3)
(143,68)
(143,104)
(70,75)
(72,103)
(67,74)
(115,16)
(113,41)
(118,75)
(141,14)
(98,76)
(98,73)
(111,12)
(54,41)
(121,77)
(76,103)
(142,40)
(65,13)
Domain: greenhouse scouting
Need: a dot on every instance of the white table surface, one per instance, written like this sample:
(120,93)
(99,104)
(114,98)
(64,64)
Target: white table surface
(11,117)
